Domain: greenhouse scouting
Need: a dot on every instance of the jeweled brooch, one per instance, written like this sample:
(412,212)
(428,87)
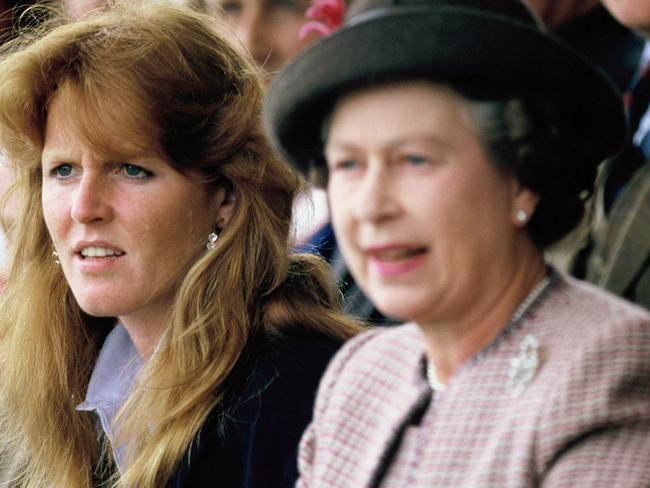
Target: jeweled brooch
(524,365)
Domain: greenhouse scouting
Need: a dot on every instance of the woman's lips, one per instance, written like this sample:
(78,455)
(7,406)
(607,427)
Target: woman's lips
(396,260)
(97,257)
(100,252)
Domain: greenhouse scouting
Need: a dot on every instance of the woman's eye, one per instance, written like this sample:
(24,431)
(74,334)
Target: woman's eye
(230,7)
(63,171)
(415,160)
(345,165)
(135,171)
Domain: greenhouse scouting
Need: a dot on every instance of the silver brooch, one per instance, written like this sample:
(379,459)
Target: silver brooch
(523,367)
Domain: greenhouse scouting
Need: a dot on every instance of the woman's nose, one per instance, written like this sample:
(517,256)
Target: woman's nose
(90,200)
(375,199)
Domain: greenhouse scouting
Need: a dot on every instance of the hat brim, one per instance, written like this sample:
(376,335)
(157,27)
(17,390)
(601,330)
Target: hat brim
(458,46)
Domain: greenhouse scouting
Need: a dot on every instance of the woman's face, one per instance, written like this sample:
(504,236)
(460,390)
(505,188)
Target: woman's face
(267,28)
(125,229)
(424,220)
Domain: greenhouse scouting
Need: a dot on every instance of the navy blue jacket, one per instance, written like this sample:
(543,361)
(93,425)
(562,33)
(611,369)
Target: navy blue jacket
(254,442)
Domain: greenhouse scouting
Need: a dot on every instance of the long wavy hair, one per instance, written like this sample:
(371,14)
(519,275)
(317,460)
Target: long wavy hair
(169,75)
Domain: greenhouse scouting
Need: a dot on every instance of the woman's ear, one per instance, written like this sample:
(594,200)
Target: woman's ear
(524,203)
(224,201)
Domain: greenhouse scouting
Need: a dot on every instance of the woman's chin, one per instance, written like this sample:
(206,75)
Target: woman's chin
(401,310)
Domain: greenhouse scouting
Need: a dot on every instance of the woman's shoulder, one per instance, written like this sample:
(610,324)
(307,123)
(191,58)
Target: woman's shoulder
(250,439)
(593,342)
(595,365)
(291,346)
(591,310)
(381,344)
(283,367)
(295,357)
(374,359)
(581,324)
(377,344)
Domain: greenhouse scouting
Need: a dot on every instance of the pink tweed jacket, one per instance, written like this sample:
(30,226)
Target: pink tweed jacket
(568,408)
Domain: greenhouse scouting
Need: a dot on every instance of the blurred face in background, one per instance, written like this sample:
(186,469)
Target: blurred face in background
(557,12)
(267,28)
(635,14)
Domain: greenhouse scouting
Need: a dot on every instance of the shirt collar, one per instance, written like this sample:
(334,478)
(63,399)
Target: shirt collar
(111,382)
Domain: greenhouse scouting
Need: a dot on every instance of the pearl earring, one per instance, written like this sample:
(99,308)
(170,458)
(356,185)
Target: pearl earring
(212,240)
(56,258)
(521,216)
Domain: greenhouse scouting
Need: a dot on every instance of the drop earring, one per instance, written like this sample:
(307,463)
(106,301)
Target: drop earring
(521,216)
(212,240)
(56,258)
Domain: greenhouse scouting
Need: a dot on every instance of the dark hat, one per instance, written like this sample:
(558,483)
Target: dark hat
(483,48)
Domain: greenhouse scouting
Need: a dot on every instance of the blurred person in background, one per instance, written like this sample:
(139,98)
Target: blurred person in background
(589,27)
(455,147)
(617,255)
(274,32)
(155,329)
(269,29)
(611,246)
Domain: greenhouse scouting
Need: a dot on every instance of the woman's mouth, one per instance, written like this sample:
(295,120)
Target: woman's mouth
(397,254)
(395,261)
(99,252)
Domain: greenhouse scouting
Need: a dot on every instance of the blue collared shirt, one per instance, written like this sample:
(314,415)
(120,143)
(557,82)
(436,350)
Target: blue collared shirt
(111,383)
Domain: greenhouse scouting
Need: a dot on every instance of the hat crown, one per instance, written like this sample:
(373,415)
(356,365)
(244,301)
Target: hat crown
(484,49)
(515,10)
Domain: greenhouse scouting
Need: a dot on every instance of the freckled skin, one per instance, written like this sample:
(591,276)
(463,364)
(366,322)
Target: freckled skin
(141,209)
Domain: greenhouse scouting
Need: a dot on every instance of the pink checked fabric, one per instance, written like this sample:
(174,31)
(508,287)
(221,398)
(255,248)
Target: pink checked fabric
(582,421)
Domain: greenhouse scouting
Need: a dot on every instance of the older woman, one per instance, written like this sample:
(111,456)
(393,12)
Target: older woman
(154,329)
(457,140)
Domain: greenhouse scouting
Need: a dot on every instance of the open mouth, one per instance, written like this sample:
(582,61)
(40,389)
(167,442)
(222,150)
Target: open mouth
(99,252)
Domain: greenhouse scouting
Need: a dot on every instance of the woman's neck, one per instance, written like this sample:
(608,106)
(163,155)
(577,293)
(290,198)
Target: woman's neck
(145,334)
(450,344)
